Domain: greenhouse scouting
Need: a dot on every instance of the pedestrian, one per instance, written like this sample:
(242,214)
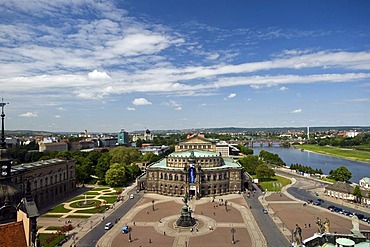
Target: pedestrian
(305,225)
(164,233)
(309,224)
(150,240)
(134,222)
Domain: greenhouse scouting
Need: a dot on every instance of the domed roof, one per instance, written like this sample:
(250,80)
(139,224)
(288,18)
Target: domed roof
(147,132)
(9,193)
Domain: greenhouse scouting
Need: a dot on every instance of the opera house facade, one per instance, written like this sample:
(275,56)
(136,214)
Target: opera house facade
(195,169)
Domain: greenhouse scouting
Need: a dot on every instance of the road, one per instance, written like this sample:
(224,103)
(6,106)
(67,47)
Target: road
(270,230)
(302,194)
(92,237)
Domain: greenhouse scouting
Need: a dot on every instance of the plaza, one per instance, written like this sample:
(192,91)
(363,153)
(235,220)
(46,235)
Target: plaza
(214,223)
(214,226)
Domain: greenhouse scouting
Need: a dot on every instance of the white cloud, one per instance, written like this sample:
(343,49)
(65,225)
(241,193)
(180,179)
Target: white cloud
(96,75)
(130,108)
(29,114)
(141,101)
(296,111)
(232,95)
(283,88)
(57,116)
(173,104)
(213,56)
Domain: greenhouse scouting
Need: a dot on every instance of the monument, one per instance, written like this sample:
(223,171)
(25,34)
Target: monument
(185,219)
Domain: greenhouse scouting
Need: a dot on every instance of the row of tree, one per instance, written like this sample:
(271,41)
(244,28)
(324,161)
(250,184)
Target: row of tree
(254,165)
(271,158)
(339,141)
(305,169)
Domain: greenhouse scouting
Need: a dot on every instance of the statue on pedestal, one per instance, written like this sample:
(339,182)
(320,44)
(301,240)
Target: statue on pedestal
(185,219)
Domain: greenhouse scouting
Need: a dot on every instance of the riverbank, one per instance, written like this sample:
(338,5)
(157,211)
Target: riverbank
(349,154)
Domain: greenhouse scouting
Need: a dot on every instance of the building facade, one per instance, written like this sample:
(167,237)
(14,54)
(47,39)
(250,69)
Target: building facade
(195,169)
(49,179)
(53,146)
(365,183)
(123,138)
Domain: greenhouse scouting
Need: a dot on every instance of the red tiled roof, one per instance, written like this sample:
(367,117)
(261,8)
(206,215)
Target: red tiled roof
(12,234)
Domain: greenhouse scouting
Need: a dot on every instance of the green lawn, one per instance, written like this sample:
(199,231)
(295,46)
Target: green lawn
(100,189)
(59,209)
(90,203)
(273,184)
(54,242)
(51,228)
(93,211)
(109,199)
(92,193)
(338,152)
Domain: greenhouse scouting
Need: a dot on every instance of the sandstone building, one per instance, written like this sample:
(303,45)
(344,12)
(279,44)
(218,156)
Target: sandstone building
(196,169)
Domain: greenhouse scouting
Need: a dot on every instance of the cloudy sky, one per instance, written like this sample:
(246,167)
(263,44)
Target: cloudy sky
(71,65)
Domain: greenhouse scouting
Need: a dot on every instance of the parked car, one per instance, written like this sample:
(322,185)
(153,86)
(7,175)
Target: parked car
(320,200)
(317,203)
(331,208)
(108,226)
(132,196)
(265,211)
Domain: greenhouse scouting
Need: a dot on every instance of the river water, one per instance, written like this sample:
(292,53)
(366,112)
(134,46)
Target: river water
(324,162)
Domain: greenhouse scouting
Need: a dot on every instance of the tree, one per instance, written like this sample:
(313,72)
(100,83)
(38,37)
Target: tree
(244,150)
(357,193)
(271,158)
(84,169)
(103,166)
(134,171)
(150,157)
(263,171)
(124,155)
(250,163)
(116,176)
(341,174)
(64,155)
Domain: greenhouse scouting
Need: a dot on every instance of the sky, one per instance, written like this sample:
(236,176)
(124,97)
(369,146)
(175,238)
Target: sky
(102,66)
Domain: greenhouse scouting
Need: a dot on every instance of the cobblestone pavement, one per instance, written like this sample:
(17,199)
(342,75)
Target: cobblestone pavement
(214,223)
(287,211)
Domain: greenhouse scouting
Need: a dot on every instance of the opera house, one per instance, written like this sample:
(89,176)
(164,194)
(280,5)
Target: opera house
(195,169)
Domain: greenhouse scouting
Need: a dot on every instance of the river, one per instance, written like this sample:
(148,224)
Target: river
(323,162)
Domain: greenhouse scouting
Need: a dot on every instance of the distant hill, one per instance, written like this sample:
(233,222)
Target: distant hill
(27,133)
(205,130)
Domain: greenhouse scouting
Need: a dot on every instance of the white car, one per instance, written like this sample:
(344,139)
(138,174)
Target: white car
(108,226)
(132,196)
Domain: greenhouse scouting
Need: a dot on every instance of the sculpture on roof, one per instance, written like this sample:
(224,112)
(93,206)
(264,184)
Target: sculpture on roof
(297,235)
(326,225)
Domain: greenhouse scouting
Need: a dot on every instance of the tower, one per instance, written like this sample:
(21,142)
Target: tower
(308,133)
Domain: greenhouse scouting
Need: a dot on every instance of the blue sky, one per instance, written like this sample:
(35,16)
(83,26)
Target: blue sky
(71,65)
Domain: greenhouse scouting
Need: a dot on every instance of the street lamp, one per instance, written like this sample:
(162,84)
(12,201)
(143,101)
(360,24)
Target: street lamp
(232,235)
(153,205)
(129,234)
